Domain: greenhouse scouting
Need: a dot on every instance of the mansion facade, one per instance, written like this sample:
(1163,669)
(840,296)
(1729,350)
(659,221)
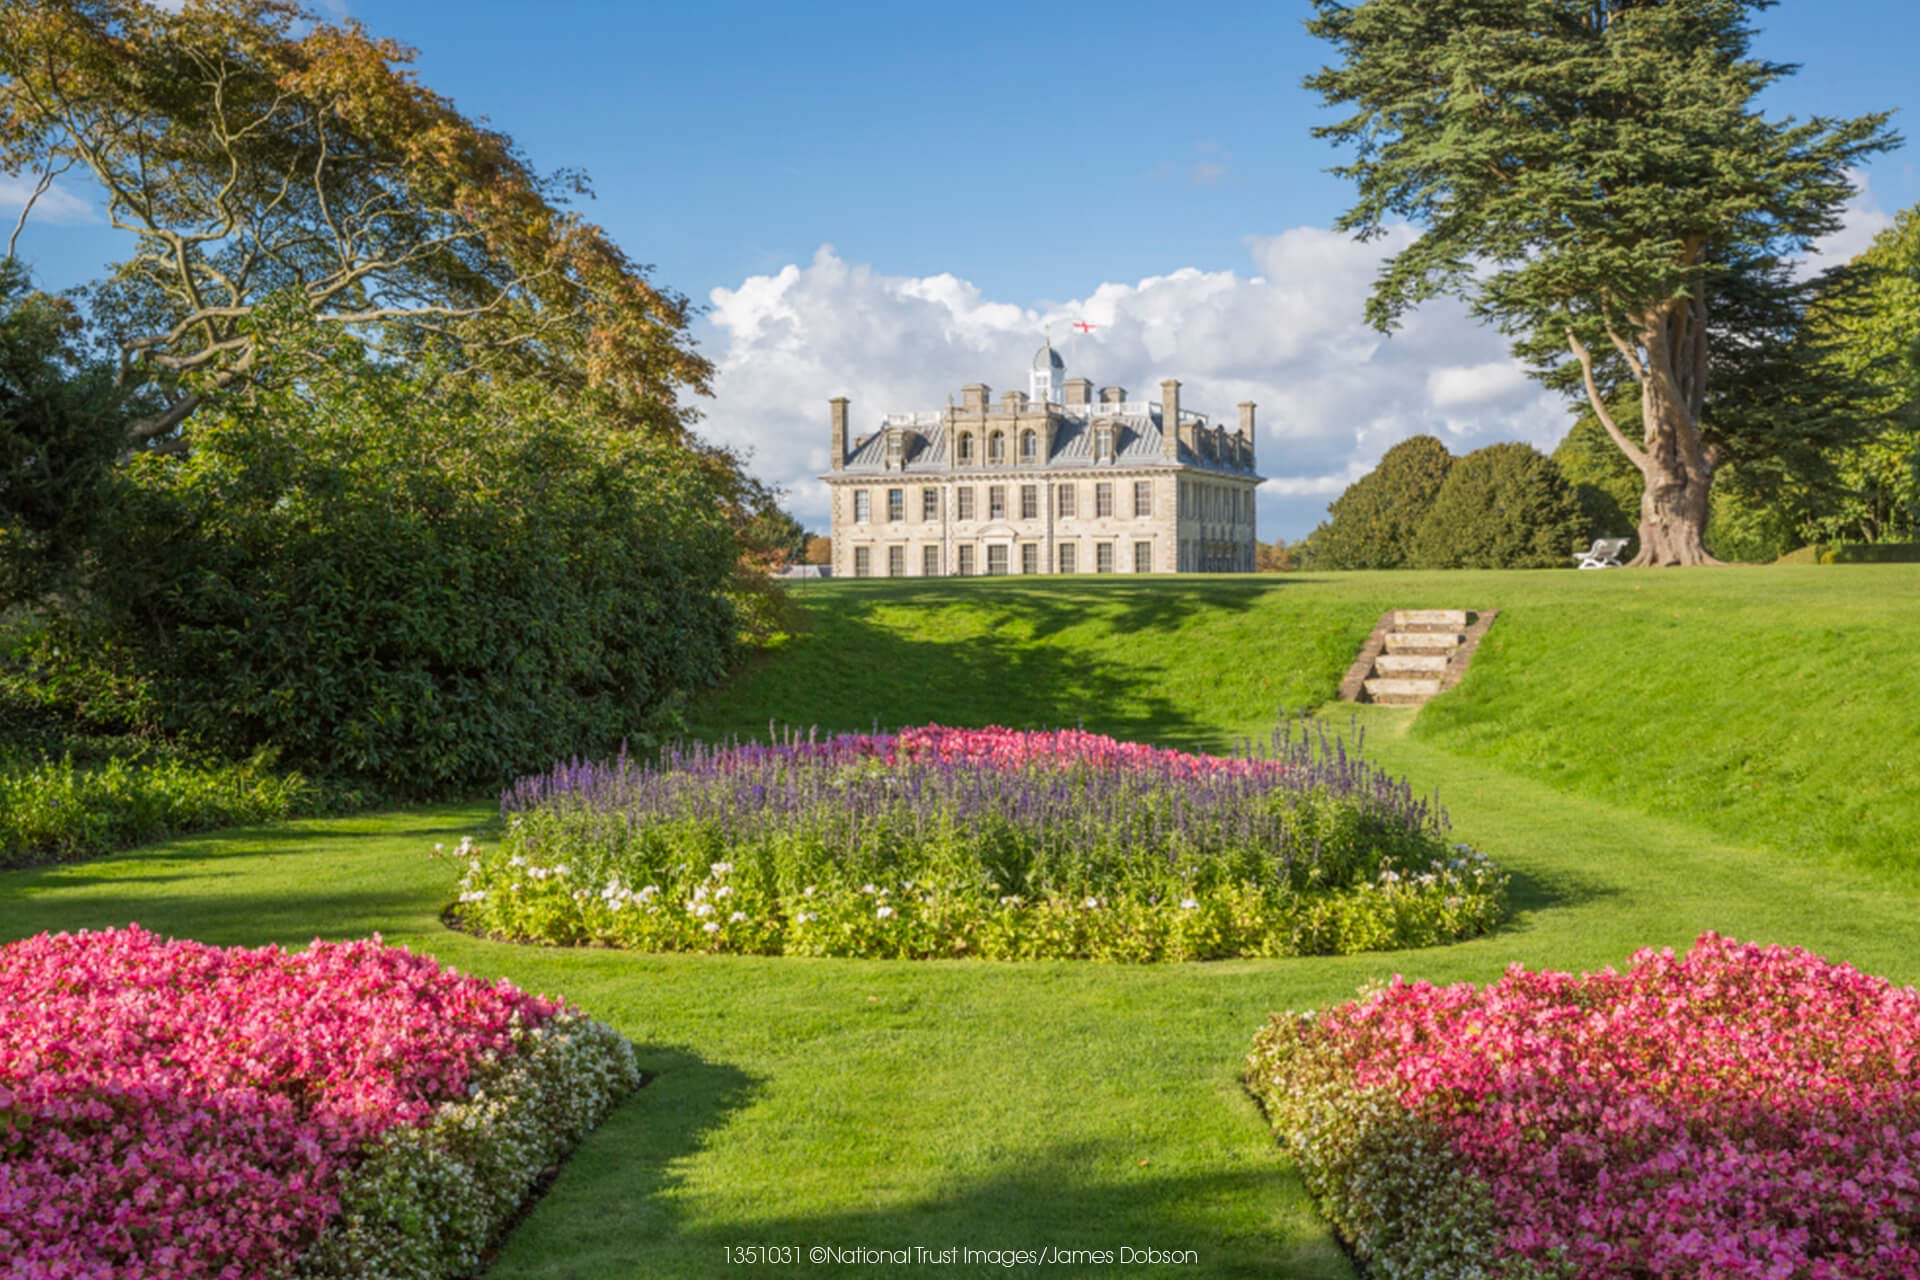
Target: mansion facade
(1049,480)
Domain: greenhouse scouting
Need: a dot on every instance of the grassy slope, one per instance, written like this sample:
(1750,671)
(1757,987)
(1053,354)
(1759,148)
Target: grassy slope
(886,1104)
(1773,704)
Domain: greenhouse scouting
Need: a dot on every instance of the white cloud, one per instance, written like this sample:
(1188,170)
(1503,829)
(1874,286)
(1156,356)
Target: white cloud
(1475,384)
(57,204)
(1289,333)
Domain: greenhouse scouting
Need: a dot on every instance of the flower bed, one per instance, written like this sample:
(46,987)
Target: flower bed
(947,842)
(1740,1111)
(169,1109)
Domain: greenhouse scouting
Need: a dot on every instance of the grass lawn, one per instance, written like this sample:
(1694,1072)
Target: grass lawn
(888,1104)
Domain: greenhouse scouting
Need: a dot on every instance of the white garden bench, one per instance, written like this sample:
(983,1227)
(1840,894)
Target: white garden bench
(1604,554)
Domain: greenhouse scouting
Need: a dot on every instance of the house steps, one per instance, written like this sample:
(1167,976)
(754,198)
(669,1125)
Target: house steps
(1414,655)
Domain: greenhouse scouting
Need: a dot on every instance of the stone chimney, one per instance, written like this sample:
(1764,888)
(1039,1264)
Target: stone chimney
(1013,401)
(974,397)
(1170,427)
(1079,391)
(1246,434)
(1113,395)
(837,408)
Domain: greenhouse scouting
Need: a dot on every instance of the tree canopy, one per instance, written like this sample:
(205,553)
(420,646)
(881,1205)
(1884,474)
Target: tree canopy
(1594,177)
(1503,507)
(1372,525)
(260,157)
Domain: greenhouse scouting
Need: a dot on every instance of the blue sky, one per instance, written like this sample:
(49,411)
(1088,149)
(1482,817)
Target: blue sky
(982,170)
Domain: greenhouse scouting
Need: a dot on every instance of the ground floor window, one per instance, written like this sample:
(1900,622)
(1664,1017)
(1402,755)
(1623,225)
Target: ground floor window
(1103,557)
(929,562)
(862,562)
(1029,557)
(996,561)
(966,562)
(896,562)
(1143,557)
(1066,558)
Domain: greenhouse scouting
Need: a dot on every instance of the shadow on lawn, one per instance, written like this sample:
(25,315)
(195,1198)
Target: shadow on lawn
(1012,674)
(614,1210)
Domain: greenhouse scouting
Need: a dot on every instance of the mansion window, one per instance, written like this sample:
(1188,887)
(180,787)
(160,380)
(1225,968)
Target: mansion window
(966,446)
(929,504)
(862,562)
(963,497)
(966,562)
(1142,498)
(896,562)
(997,447)
(896,504)
(996,561)
(929,561)
(996,502)
(1029,502)
(1103,557)
(1066,557)
(862,506)
(1143,557)
(1103,498)
(1029,446)
(1063,500)
(1029,557)
(1103,445)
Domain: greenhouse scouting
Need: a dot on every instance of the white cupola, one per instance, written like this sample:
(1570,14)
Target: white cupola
(1047,383)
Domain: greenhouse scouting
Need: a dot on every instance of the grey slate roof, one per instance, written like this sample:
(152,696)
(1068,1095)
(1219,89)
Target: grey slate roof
(1137,444)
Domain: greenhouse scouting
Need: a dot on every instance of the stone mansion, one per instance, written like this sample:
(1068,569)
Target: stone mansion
(1049,480)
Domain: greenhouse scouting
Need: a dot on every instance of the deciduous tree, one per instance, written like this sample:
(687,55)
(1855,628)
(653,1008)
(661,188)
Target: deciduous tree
(258,156)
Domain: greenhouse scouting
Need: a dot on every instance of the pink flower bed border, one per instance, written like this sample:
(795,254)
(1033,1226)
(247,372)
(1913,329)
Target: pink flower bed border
(1739,1111)
(173,1109)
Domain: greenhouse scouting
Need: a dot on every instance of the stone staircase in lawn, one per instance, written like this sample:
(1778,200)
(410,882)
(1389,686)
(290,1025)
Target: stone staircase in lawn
(1415,654)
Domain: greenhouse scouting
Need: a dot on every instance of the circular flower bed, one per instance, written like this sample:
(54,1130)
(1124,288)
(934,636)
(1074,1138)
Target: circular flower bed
(1740,1111)
(169,1109)
(948,842)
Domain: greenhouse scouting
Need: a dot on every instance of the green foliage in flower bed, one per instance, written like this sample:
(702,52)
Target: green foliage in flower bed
(53,810)
(948,843)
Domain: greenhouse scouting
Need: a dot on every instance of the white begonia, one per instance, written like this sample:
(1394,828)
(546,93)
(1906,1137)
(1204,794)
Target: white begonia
(1189,904)
(737,917)
(868,888)
(647,894)
(721,868)
(724,891)
(710,927)
(884,912)
(701,909)
(805,917)
(807,892)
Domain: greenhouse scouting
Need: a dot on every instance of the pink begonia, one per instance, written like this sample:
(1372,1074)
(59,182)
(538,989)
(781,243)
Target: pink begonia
(170,1109)
(1740,1111)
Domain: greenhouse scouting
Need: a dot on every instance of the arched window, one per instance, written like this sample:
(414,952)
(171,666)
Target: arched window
(966,447)
(997,447)
(1029,446)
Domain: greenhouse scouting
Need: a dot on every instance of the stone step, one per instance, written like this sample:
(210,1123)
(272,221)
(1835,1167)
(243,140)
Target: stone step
(1380,689)
(1410,664)
(1455,618)
(1423,641)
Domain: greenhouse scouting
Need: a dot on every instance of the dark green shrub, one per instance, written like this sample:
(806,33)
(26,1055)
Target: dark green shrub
(1372,524)
(422,582)
(1503,507)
